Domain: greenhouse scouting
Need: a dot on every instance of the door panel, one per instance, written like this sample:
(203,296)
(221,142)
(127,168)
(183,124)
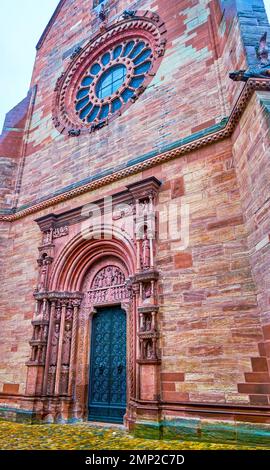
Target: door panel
(107,388)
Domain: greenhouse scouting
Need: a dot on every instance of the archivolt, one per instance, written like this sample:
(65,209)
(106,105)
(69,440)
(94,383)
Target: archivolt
(81,252)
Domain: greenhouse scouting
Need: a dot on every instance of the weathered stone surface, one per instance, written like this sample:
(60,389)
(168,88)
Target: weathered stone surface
(213,339)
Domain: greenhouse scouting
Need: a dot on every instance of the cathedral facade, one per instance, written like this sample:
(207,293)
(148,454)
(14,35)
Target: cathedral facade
(135,222)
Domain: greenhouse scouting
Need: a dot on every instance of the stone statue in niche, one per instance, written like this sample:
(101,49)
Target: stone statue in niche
(149,350)
(47,236)
(54,344)
(145,251)
(45,333)
(35,333)
(67,343)
(69,312)
(58,312)
(143,323)
(262,70)
(43,354)
(147,291)
(43,274)
(144,207)
(148,323)
(64,379)
(51,379)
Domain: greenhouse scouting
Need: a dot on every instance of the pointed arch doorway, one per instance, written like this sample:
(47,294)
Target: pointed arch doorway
(107,378)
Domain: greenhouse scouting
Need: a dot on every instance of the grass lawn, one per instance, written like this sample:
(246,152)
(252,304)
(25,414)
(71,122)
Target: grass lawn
(14,436)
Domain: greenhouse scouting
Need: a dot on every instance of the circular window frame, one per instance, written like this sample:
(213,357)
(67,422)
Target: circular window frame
(108,98)
(145,26)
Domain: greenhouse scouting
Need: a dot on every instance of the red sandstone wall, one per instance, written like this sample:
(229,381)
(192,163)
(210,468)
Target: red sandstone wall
(191,91)
(252,160)
(209,317)
(11,145)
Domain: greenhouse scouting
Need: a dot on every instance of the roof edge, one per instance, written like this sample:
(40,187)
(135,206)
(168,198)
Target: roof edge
(49,25)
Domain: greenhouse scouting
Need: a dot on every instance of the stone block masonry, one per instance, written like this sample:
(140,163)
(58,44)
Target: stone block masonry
(198,341)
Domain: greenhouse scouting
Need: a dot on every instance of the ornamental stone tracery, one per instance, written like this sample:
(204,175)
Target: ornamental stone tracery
(108,74)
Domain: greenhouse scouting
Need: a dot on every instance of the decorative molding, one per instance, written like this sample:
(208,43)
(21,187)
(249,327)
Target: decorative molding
(123,205)
(53,296)
(224,131)
(59,232)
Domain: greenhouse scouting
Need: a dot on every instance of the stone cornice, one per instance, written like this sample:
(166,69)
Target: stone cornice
(58,295)
(182,147)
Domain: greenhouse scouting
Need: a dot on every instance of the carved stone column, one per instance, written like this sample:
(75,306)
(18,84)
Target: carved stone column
(47,363)
(60,347)
(145,284)
(73,350)
(53,343)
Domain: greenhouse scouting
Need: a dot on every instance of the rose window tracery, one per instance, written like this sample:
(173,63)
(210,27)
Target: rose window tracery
(108,74)
(113,80)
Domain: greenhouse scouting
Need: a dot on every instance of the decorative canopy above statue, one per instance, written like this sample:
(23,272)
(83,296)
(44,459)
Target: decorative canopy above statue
(262,70)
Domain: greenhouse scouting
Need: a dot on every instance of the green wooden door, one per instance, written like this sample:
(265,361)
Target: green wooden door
(107,386)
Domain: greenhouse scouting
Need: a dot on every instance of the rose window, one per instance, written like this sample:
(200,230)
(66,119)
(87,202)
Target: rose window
(113,80)
(108,74)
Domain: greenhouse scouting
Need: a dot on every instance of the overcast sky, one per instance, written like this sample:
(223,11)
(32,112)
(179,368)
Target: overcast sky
(21,25)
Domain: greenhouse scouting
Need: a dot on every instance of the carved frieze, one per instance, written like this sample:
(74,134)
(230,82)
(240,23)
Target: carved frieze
(60,231)
(109,285)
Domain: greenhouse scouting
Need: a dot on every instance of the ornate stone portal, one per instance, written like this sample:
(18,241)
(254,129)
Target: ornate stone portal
(89,273)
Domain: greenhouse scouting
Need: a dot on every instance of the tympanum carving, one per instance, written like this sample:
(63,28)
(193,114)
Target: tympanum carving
(109,285)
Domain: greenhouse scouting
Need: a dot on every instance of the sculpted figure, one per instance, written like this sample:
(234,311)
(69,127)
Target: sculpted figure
(147,291)
(54,344)
(43,275)
(145,252)
(66,344)
(51,378)
(149,350)
(262,70)
(64,379)
(109,276)
(148,324)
